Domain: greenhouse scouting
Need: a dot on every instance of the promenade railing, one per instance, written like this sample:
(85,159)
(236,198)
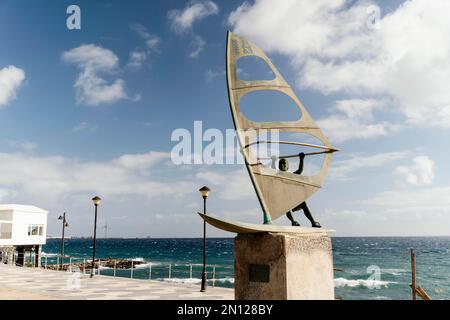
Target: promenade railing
(217,275)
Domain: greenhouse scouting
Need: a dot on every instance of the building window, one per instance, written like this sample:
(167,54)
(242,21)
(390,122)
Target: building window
(5,230)
(35,230)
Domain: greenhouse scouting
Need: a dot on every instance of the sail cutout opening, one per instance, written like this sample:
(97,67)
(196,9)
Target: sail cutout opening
(253,68)
(269,106)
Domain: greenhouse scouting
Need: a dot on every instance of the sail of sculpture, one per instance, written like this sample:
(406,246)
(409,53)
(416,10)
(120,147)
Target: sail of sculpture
(277,191)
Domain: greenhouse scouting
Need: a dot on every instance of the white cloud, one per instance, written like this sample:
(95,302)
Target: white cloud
(55,177)
(197,45)
(137,59)
(251,215)
(345,214)
(139,186)
(358,109)
(11,78)
(84,127)
(210,75)
(343,169)
(234,185)
(7,195)
(93,89)
(92,56)
(333,51)
(183,20)
(25,146)
(354,119)
(152,41)
(418,212)
(421,172)
(140,161)
(426,199)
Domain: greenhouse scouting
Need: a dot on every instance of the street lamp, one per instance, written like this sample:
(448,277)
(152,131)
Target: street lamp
(96,201)
(64,225)
(205,192)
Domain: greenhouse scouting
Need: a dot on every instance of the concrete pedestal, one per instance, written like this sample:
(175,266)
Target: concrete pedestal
(280,266)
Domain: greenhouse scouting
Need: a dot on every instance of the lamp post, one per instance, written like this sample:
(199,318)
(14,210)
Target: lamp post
(64,225)
(205,192)
(96,201)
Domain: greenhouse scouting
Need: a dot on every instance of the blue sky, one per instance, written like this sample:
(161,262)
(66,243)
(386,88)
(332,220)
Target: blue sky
(91,111)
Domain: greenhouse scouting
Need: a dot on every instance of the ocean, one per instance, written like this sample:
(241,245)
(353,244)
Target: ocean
(369,268)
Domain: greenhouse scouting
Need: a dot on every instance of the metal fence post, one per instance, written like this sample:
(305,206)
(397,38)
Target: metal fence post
(214,276)
(46,260)
(115,263)
(98,268)
(150,271)
(132,266)
(170,270)
(84,265)
(57,263)
(70,263)
(190,271)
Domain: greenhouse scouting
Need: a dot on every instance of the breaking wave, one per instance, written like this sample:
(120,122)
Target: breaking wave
(45,254)
(394,272)
(368,283)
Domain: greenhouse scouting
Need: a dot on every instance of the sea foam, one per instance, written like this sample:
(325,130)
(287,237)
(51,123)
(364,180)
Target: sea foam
(369,283)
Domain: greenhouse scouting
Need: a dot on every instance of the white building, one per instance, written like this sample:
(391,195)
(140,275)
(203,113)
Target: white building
(23,229)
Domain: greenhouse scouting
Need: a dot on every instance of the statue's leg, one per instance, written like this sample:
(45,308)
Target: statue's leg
(291,218)
(308,215)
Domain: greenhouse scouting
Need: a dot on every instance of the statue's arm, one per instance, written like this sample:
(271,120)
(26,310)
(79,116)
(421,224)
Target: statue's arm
(300,165)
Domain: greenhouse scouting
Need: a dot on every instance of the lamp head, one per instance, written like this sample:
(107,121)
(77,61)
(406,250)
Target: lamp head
(205,192)
(96,200)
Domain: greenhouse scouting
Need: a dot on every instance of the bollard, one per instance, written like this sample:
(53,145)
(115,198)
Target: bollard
(115,263)
(84,265)
(46,260)
(170,271)
(70,264)
(190,271)
(98,268)
(132,266)
(57,263)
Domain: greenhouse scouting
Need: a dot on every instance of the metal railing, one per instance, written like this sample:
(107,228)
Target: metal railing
(137,269)
(126,268)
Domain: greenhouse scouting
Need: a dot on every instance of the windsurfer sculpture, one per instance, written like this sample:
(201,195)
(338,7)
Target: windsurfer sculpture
(284,166)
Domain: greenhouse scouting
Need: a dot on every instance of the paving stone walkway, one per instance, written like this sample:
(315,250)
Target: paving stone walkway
(36,283)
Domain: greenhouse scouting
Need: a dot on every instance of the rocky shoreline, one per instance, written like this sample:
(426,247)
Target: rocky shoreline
(106,263)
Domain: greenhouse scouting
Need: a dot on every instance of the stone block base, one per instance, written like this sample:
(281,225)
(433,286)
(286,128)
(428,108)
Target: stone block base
(281,266)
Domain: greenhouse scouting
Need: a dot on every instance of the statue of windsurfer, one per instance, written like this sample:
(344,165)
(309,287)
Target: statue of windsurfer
(284,166)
